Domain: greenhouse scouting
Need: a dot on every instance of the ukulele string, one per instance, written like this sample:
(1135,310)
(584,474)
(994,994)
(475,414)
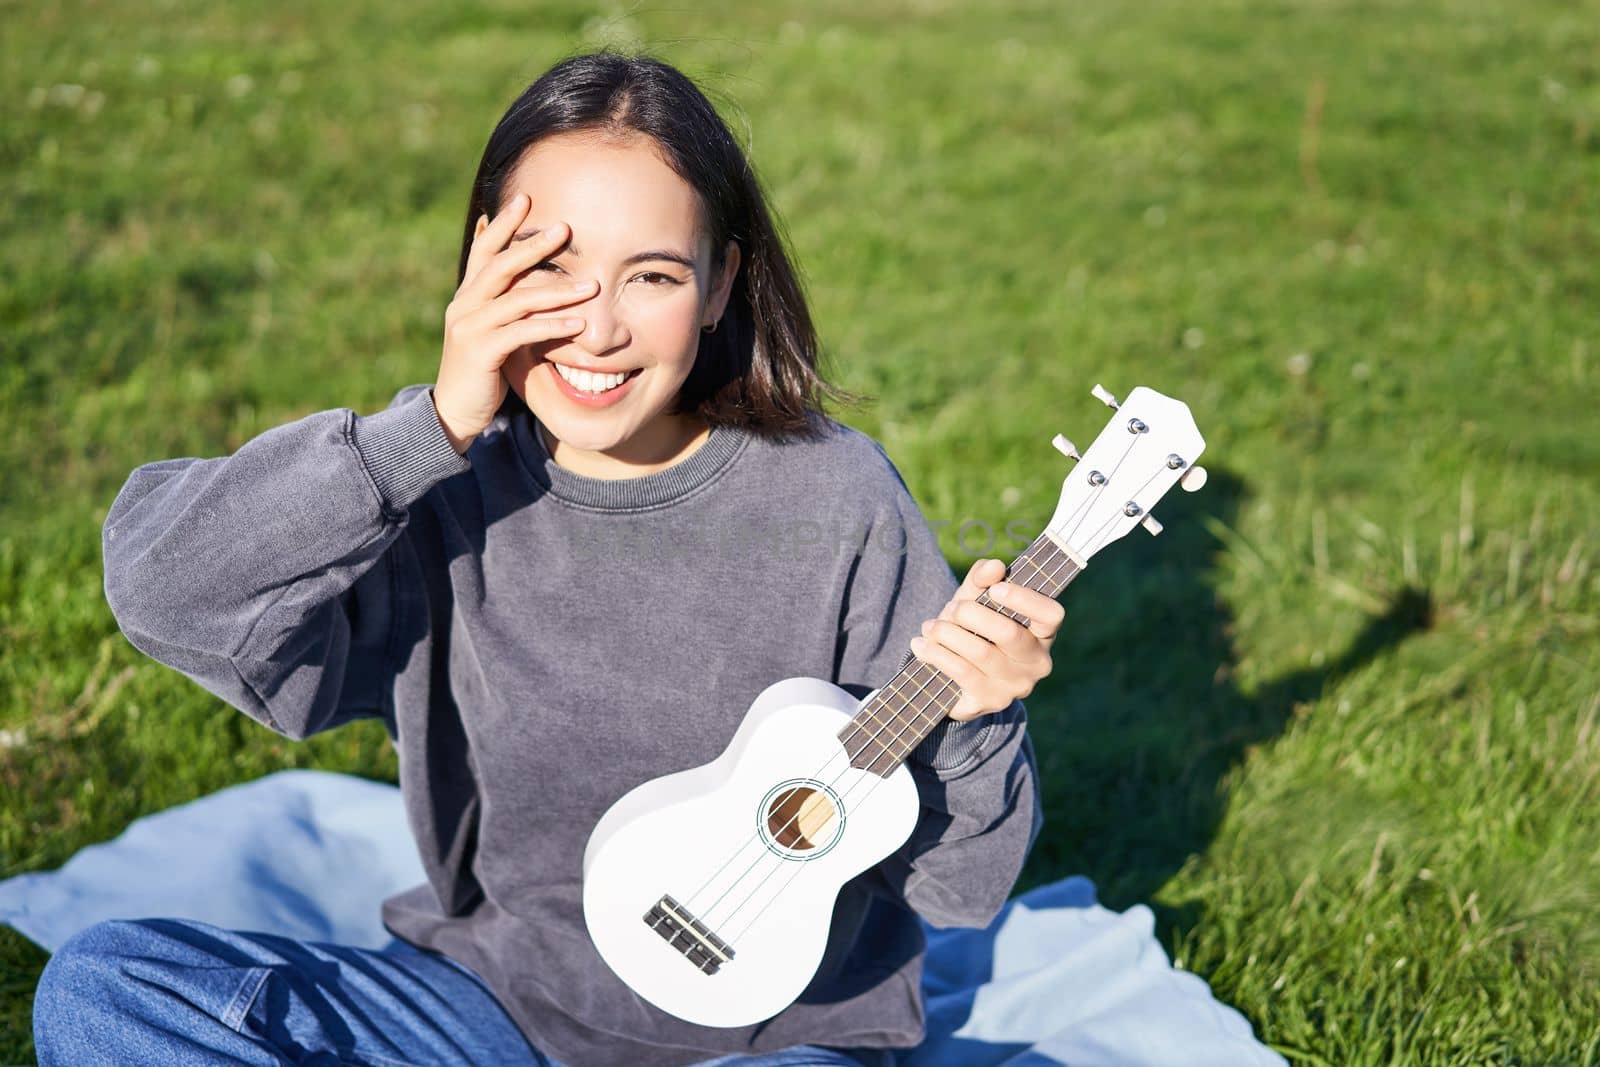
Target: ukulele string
(1078,514)
(934,702)
(1087,504)
(894,684)
(891,688)
(920,711)
(1101,488)
(1054,569)
(756,839)
(798,867)
(1104,527)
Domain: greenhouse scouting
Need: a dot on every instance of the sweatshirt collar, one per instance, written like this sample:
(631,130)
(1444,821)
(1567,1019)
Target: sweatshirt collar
(721,446)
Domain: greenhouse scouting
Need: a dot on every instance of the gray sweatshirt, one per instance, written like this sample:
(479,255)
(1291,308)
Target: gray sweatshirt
(538,642)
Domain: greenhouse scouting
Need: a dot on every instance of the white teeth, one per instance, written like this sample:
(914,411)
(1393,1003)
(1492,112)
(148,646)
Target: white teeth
(588,382)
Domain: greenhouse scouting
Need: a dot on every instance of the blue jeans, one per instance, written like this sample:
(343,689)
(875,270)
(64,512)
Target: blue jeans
(178,991)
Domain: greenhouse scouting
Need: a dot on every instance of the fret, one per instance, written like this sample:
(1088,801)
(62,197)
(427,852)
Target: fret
(904,712)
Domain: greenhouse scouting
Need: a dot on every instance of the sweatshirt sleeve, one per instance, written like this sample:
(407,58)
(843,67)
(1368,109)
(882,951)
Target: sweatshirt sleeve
(978,780)
(262,575)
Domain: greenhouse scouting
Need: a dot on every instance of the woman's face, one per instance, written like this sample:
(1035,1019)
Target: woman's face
(635,231)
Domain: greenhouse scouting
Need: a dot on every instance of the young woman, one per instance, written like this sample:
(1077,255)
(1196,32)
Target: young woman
(565,568)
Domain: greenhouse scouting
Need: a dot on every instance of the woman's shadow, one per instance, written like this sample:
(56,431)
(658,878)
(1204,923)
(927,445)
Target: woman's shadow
(1134,731)
(1141,718)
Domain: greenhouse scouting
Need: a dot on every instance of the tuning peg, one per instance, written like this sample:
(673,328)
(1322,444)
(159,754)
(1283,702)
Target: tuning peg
(1193,479)
(1151,526)
(1104,396)
(1066,447)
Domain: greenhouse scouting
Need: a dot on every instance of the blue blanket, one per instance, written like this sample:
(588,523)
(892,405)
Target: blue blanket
(1056,978)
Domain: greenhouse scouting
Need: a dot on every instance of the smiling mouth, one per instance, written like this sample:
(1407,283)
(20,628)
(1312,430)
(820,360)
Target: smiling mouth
(591,383)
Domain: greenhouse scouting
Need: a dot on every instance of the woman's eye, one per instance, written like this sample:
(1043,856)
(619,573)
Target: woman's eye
(652,277)
(537,268)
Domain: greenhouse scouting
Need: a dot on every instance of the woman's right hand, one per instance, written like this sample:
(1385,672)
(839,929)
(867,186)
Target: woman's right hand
(485,321)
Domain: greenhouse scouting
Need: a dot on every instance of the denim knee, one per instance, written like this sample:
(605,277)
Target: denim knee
(137,990)
(83,959)
(75,976)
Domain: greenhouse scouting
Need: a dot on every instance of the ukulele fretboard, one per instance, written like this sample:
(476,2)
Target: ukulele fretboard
(902,713)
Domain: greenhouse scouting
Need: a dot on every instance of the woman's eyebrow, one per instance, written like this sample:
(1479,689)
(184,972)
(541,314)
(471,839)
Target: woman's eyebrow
(637,257)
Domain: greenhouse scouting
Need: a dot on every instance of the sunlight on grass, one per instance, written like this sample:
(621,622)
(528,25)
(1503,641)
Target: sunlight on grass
(1339,726)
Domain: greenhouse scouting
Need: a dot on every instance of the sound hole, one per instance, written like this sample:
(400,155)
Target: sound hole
(798,816)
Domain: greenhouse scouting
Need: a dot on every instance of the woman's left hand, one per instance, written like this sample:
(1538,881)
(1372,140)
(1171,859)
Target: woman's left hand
(991,656)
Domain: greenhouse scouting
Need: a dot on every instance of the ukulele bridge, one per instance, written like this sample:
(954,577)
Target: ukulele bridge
(688,935)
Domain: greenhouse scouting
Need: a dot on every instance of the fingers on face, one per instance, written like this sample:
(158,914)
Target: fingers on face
(494,235)
(533,330)
(513,261)
(495,261)
(547,304)
(544,296)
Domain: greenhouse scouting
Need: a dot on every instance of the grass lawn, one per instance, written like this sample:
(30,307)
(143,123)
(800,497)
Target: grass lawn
(1339,726)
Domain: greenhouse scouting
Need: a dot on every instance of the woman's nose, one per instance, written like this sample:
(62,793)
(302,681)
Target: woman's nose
(603,326)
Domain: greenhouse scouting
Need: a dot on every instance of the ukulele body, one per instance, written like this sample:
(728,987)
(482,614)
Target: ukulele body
(710,891)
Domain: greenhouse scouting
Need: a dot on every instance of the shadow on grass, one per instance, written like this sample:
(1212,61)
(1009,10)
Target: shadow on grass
(1141,719)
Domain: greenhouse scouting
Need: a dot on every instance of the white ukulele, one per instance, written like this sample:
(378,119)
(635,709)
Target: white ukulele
(710,891)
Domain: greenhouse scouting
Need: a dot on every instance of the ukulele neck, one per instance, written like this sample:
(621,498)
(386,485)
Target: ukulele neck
(902,713)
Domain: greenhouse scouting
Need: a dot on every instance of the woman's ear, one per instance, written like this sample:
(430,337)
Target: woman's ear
(724,289)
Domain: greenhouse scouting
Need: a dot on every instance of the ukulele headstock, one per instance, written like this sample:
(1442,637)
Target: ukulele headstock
(1150,444)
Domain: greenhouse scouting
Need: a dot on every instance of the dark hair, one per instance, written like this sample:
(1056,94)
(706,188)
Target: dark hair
(759,368)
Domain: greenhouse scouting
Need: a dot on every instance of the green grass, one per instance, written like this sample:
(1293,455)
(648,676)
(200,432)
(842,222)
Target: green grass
(1339,726)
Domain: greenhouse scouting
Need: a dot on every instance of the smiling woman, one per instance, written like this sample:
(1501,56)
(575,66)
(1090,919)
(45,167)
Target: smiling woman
(627,355)
(606,396)
(601,168)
